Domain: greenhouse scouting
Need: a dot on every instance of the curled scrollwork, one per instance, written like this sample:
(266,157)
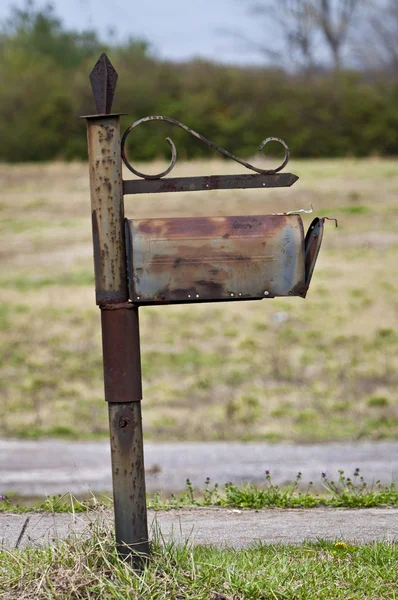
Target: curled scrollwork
(205,141)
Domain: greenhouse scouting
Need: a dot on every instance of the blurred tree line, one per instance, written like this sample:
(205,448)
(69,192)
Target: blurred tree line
(340,108)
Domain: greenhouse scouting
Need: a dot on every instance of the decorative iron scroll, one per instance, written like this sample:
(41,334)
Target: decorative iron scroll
(205,141)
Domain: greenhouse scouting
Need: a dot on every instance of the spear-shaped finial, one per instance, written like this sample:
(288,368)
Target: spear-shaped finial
(103,80)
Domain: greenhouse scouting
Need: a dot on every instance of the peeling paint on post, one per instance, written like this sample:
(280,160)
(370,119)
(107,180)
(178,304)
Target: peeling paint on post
(119,319)
(107,213)
(128,478)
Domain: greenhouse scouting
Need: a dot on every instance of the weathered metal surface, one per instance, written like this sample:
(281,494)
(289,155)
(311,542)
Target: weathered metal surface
(107,209)
(128,476)
(207,183)
(103,80)
(205,141)
(217,258)
(121,353)
(313,241)
(171,260)
(119,319)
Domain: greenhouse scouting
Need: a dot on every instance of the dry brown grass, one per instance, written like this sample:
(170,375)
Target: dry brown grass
(323,368)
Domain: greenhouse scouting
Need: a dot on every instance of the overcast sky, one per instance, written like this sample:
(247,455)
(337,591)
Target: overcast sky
(178,29)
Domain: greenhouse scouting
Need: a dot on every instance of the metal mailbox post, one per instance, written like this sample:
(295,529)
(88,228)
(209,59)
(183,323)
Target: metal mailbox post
(164,261)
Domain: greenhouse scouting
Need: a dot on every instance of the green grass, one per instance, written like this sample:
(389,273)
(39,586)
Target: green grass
(316,370)
(90,569)
(84,569)
(61,503)
(27,282)
(346,492)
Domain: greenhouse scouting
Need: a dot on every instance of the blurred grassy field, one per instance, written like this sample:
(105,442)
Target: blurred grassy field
(324,368)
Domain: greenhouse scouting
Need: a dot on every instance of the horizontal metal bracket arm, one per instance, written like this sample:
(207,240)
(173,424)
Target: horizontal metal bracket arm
(153,184)
(206,183)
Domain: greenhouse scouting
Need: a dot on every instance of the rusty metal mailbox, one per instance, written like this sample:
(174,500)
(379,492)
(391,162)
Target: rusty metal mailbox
(172,260)
(207,259)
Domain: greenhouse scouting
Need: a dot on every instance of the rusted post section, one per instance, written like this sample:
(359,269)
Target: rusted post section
(119,317)
(107,213)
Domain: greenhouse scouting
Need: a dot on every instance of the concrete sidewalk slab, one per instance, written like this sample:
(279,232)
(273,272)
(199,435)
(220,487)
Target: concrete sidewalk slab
(40,467)
(218,526)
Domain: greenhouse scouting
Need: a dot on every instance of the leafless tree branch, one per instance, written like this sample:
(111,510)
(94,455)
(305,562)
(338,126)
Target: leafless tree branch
(377,47)
(304,25)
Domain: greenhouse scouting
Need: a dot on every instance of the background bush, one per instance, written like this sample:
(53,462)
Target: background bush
(45,89)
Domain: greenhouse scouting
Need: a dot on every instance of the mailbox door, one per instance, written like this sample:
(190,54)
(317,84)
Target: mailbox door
(217,258)
(313,241)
